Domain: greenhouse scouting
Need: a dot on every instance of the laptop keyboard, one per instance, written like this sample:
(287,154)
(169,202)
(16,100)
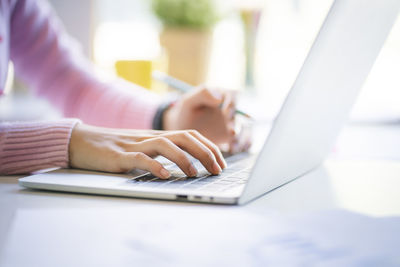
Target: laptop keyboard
(236,174)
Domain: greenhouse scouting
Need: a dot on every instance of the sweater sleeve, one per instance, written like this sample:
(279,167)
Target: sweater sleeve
(49,61)
(29,146)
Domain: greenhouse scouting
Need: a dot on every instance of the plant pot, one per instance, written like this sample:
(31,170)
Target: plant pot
(188,53)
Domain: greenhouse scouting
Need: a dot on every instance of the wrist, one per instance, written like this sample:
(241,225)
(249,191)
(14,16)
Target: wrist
(161,120)
(166,120)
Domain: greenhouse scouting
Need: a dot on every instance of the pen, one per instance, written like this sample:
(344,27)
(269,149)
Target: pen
(182,86)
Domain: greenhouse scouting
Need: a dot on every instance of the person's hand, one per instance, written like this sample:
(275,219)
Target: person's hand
(119,150)
(210,112)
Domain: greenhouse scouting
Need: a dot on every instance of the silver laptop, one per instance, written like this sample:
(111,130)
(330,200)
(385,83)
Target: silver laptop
(302,135)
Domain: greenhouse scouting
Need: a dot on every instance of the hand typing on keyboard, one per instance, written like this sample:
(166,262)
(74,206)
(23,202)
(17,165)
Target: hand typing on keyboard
(120,150)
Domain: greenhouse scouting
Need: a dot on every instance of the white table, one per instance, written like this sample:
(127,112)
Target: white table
(364,186)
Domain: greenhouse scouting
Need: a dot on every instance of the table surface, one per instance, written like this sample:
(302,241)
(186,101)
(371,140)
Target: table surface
(367,187)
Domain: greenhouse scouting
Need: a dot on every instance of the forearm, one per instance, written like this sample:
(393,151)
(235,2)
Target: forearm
(29,146)
(49,61)
(120,105)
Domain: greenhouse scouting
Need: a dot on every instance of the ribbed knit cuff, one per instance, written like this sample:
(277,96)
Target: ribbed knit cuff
(30,146)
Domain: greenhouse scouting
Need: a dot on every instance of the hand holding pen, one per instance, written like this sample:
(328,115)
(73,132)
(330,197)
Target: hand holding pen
(210,112)
(182,86)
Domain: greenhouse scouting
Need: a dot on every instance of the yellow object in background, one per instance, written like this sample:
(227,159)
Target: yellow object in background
(136,71)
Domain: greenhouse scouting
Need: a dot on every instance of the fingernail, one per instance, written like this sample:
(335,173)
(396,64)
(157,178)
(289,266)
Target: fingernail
(192,171)
(224,163)
(164,173)
(216,168)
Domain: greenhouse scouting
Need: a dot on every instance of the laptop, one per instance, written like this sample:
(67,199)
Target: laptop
(302,135)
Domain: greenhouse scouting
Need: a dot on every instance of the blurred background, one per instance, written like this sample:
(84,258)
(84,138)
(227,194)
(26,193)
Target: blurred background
(256,47)
(129,30)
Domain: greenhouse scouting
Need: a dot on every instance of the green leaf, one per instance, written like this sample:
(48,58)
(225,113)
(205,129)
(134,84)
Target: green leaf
(197,14)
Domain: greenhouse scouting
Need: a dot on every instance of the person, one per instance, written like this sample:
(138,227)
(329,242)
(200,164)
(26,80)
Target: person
(115,127)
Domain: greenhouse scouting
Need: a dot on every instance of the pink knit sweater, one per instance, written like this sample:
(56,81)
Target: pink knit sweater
(50,63)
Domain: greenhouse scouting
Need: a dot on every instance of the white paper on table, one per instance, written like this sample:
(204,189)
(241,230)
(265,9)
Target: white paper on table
(199,236)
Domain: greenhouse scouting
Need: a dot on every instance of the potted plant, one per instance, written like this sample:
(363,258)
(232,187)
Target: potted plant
(187,36)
